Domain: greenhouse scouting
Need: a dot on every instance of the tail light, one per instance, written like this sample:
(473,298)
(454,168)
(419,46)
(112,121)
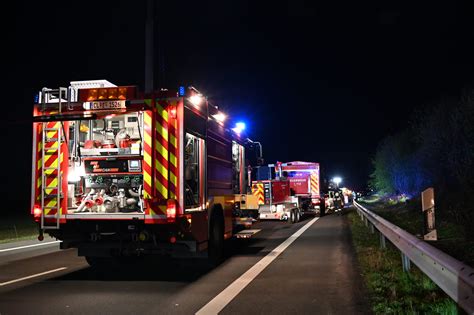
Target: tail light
(171,209)
(37,212)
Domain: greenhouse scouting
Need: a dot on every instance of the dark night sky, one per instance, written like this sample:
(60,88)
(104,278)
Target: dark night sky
(315,80)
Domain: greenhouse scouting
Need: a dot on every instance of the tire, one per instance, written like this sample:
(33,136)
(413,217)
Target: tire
(297,215)
(216,241)
(322,208)
(291,219)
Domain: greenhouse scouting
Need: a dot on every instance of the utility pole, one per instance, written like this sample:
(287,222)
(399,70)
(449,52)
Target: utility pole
(149,46)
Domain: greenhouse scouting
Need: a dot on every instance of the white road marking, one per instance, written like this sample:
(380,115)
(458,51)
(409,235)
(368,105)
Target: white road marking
(28,246)
(32,276)
(228,294)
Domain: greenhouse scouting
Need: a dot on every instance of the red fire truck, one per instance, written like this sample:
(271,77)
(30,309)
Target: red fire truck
(120,173)
(289,191)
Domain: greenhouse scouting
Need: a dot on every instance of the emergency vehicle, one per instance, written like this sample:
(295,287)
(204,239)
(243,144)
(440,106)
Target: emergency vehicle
(287,191)
(120,173)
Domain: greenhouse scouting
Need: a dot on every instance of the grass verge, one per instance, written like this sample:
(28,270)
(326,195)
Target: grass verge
(17,228)
(391,290)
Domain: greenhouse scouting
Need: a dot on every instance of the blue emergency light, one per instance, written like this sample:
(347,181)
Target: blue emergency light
(182,91)
(239,127)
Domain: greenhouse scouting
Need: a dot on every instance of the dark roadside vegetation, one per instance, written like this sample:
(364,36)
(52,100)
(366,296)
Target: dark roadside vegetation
(436,149)
(17,227)
(391,290)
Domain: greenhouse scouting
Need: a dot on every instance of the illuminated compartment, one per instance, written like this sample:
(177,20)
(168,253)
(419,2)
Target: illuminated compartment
(105,173)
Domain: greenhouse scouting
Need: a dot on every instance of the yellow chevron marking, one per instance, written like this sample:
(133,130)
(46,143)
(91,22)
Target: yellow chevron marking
(173,141)
(162,112)
(147,158)
(147,139)
(53,146)
(173,179)
(162,169)
(147,178)
(53,183)
(163,209)
(173,160)
(162,131)
(51,203)
(161,149)
(162,189)
(147,119)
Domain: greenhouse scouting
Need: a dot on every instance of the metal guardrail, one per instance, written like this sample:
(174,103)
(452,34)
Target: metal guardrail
(451,275)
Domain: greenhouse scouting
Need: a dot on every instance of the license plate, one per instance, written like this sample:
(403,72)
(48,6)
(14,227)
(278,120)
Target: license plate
(105,105)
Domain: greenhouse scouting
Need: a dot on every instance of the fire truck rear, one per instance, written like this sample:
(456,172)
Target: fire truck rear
(288,191)
(118,173)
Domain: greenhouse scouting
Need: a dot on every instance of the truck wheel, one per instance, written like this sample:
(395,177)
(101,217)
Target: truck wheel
(297,215)
(291,219)
(216,241)
(322,209)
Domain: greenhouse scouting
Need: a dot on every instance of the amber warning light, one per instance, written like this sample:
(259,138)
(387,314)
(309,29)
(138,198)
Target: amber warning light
(104,94)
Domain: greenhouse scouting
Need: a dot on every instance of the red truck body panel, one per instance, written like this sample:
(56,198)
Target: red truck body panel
(300,185)
(304,178)
(280,191)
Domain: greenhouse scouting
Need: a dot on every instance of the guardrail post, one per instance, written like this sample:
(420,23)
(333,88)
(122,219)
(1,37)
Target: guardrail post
(405,262)
(366,222)
(372,230)
(382,241)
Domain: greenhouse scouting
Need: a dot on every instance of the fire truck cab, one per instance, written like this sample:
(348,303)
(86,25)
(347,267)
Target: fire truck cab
(120,173)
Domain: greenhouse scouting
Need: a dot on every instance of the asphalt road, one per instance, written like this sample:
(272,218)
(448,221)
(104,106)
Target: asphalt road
(304,268)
